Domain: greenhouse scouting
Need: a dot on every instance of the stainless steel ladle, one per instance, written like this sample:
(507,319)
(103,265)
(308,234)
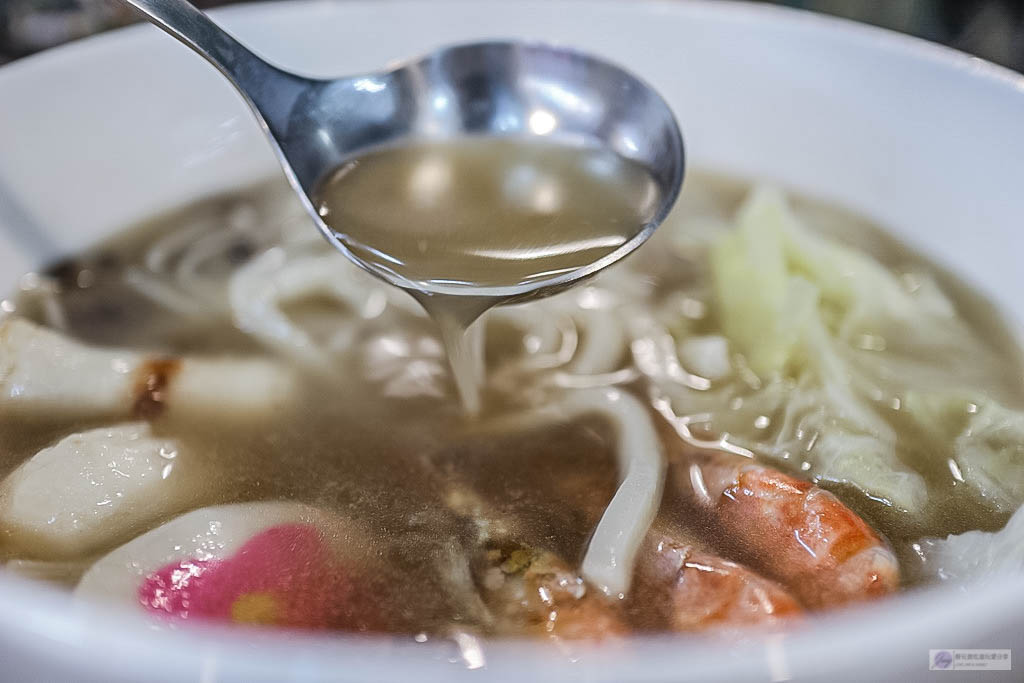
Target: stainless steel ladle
(504,89)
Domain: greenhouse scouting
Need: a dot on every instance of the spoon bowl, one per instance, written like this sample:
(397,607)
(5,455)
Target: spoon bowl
(493,89)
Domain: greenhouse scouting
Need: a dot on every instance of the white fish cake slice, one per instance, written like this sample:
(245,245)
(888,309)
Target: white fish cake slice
(95,488)
(45,375)
(41,370)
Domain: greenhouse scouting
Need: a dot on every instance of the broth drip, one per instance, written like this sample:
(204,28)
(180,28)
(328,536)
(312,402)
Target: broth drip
(484,218)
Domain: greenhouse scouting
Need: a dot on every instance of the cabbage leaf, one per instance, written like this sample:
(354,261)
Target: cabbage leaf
(831,351)
(772,275)
(987,442)
(785,298)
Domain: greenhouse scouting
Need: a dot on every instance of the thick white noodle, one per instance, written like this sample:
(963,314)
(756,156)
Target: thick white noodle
(611,554)
(163,294)
(258,290)
(603,345)
(585,341)
(655,354)
(549,338)
(159,256)
(186,271)
(608,562)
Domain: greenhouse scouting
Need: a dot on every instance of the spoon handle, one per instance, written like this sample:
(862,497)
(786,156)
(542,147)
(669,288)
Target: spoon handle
(269,91)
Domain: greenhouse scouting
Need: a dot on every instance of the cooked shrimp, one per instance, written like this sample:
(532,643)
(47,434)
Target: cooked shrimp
(688,587)
(789,529)
(694,590)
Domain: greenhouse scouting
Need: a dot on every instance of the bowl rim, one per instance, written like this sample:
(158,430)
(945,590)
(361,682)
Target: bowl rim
(38,617)
(746,10)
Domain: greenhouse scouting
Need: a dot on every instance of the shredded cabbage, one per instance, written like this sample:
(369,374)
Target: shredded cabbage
(987,442)
(839,366)
(787,300)
(773,278)
(991,455)
(754,291)
(869,464)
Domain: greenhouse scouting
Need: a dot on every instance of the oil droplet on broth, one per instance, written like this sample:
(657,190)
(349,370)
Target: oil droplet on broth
(484,213)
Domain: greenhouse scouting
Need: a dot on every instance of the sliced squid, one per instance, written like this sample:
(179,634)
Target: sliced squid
(44,374)
(94,489)
(789,529)
(273,563)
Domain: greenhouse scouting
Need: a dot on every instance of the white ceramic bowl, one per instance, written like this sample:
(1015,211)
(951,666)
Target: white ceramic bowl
(926,140)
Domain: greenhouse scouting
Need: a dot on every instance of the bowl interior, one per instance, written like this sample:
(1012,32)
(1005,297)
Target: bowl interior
(924,140)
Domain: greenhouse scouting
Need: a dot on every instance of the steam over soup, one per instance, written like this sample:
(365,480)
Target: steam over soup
(771,409)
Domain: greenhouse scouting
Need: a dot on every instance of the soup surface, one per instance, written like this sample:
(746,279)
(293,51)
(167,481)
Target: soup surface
(489,212)
(772,408)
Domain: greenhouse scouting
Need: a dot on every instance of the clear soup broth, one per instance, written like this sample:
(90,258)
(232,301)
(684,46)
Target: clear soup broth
(771,409)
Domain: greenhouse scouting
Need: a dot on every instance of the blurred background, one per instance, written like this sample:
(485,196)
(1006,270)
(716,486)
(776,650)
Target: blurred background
(993,29)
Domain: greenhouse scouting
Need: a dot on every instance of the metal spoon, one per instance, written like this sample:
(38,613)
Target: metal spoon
(498,89)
